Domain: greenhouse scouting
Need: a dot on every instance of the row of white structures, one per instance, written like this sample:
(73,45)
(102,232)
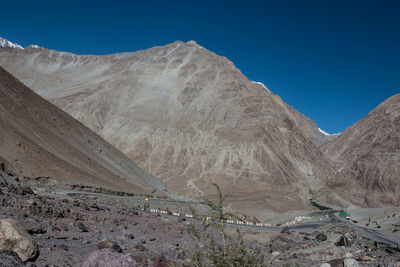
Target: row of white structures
(173,213)
(296,220)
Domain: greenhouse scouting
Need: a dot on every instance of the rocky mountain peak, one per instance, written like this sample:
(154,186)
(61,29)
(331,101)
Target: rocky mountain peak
(33,46)
(7,44)
(194,43)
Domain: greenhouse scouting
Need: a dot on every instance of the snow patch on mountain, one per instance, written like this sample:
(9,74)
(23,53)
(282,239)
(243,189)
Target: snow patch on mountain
(6,43)
(325,133)
(194,43)
(33,46)
(261,85)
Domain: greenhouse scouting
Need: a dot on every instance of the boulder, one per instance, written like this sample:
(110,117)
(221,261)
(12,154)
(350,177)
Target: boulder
(82,227)
(351,263)
(14,237)
(276,254)
(28,191)
(10,259)
(31,202)
(325,265)
(160,261)
(367,258)
(336,263)
(343,242)
(321,237)
(349,255)
(130,236)
(61,227)
(63,247)
(285,230)
(109,258)
(110,245)
(350,238)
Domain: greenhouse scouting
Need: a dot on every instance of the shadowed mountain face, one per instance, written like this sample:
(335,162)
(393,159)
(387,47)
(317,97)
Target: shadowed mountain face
(367,157)
(38,139)
(187,116)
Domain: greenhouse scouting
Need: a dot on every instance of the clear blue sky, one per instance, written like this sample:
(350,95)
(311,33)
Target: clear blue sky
(334,61)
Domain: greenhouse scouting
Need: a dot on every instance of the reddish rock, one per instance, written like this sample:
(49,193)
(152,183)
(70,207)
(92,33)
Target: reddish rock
(160,261)
(107,257)
(336,263)
(63,247)
(61,227)
(28,191)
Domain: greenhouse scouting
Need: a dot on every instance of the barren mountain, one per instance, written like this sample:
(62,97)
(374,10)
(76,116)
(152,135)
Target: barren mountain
(38,139)
(188,116)
(367,157)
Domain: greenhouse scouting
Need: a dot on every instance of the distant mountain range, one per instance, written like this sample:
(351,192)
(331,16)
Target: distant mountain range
(191,118)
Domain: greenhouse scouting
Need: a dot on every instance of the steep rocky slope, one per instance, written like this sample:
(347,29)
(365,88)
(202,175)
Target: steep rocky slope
(367,157)
(188,116)
(38,139)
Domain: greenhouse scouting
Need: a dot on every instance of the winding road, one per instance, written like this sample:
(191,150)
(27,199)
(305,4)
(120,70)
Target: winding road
(372,234)
(333,215)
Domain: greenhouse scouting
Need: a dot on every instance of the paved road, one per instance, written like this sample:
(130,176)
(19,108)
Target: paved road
(373,234)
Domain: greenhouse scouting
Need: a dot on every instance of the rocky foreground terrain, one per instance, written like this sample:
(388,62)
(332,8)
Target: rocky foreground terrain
(85,231)
(68,230)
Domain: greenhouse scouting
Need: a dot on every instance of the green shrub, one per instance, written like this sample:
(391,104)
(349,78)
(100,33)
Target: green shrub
(218,248)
